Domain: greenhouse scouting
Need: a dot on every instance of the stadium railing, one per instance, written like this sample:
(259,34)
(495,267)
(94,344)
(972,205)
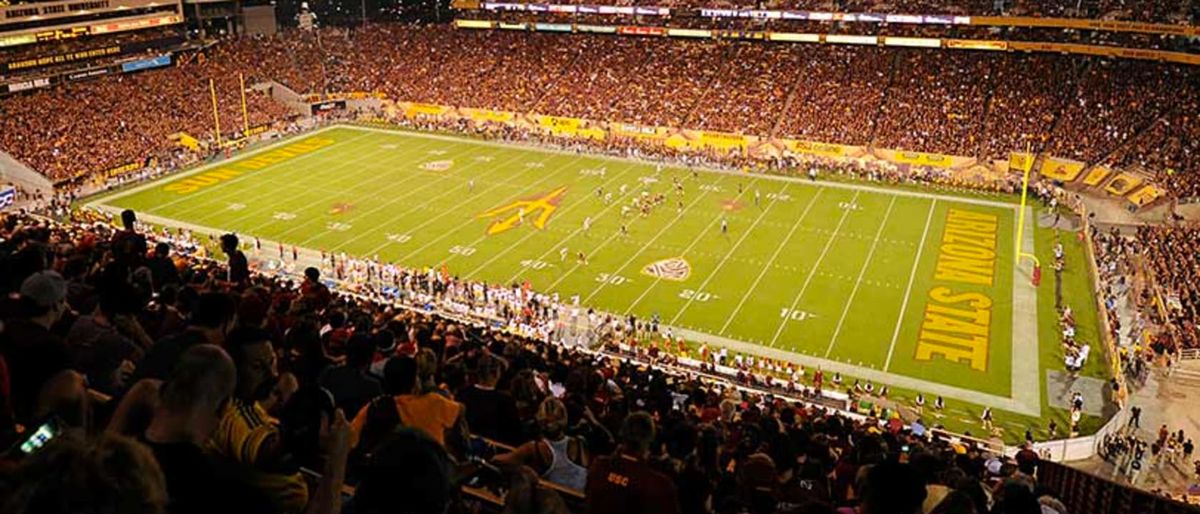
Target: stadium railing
(1086,492)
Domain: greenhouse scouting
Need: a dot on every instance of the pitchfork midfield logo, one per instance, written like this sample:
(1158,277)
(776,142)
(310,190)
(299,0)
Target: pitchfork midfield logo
(537,210)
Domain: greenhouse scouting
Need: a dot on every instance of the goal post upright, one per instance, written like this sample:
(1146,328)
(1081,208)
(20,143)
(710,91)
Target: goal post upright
(1027,169)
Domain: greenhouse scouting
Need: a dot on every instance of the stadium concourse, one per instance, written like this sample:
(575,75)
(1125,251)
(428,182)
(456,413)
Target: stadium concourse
(153,369)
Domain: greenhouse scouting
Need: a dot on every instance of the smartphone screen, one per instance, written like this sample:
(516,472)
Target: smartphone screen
(39,437)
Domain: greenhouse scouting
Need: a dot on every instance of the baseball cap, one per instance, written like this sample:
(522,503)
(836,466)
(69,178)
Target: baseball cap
(44,288)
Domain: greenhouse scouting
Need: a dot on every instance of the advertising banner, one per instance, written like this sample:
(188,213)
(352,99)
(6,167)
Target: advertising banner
(1123,183)
(1064,170)
(935,160)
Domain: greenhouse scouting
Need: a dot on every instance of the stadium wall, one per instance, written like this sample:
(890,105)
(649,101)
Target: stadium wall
(14,171)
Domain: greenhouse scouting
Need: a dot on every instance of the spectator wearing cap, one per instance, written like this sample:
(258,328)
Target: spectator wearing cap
(36,357)
(492,413)
(625,483)
(352,387)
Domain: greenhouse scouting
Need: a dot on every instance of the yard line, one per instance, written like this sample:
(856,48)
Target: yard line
(245,175)
(447,233)
(708,227)
(813,271)
(415,208)
(724,260)
(381,178)
(661,231)
(771,261)
(830,184)
(908,290)
(268,206)
(616,202)
(858,283)
(319,176)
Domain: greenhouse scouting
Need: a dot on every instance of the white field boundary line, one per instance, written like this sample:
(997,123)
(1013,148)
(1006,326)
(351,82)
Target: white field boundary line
(316,177)
(874,375)
(695,240)
(912,277)
(661,231)
(221,187)
(473,220)
(720,265)
(1026,346)
(405,196)
(103,198)
(796,180)
(813,272)
(617,201)
(771,262)
(858,282)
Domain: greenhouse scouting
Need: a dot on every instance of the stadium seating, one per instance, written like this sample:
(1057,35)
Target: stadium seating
(1081,108)
(779,452)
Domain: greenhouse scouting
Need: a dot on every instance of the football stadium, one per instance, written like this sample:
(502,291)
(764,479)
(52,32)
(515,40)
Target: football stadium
(401,256)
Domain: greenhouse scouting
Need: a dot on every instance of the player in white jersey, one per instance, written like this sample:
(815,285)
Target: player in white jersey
(724,226)
(587,224)
(562,254)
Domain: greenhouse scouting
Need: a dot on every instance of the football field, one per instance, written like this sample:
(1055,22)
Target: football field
(907,287)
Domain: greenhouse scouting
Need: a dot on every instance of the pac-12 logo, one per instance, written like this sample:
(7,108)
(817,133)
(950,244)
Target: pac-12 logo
(675,268)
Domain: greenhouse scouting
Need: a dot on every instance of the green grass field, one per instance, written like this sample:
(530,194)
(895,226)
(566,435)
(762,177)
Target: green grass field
(913,289)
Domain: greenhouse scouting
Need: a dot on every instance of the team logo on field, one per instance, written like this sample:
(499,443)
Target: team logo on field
(536,210)
(442,165)
(674,268)
(341,208)
(731,205)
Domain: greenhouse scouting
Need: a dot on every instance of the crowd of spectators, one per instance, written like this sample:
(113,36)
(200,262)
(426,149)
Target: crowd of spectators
(1171,253)
(177,384)
(88,127)
(981,104)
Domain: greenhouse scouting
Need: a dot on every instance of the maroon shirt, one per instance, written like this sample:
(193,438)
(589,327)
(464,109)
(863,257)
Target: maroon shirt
(621,484)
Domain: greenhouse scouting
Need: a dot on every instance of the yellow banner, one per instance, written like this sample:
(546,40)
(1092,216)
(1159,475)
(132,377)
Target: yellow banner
(1145,195)
(1083,24)
(1096,176)
(1123,183)
(187,141)
(559,123)
(811,148)
(488,115)
(123,169)
(971,44)
(1018,161)
(414,109)
(1061,169)
(923,159)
